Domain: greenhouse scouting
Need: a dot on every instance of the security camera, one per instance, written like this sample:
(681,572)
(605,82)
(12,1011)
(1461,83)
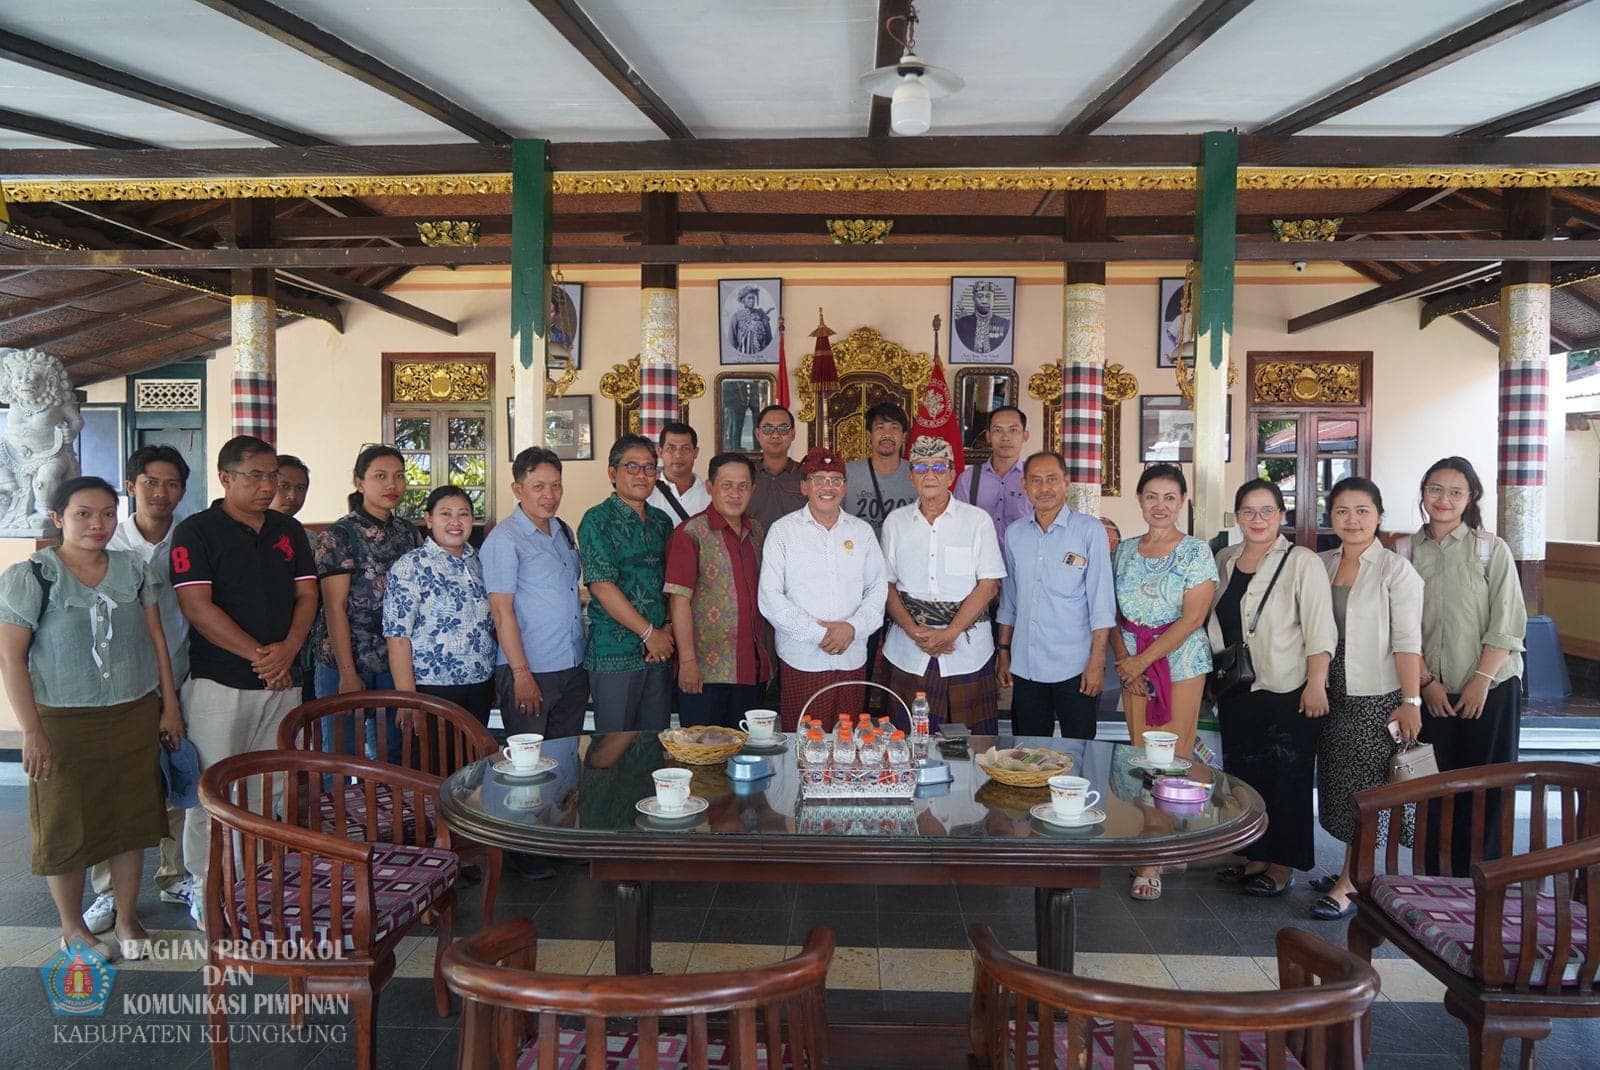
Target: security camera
(1299,265)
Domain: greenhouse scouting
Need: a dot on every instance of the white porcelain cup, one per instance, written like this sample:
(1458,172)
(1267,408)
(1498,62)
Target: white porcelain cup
(672,789)
(760,724)
(1160,748)
(522,750)
(526,798)
(1070,795)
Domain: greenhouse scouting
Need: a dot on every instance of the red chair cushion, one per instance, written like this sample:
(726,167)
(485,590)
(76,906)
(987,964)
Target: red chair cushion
(622,1052)
(1201,1051)
(355,814)
(1438,912)
(405,882)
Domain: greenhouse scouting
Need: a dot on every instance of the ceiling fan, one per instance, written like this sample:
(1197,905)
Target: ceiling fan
(911,84)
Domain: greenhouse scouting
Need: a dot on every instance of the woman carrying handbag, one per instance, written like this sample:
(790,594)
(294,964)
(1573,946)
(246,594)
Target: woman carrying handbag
(1272,635)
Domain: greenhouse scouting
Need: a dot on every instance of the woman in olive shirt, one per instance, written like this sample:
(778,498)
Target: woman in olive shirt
(1473,625)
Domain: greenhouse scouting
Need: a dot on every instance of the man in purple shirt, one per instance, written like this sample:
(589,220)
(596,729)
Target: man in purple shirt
(996,486)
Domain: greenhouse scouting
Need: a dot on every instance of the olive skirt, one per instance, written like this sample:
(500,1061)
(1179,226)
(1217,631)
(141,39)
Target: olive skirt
(104,795)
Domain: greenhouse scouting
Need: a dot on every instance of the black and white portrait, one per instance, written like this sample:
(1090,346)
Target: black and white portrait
(981,317)
(1171,322)
(749,310)
(566,324)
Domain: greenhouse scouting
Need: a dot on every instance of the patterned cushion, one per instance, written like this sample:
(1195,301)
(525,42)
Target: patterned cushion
(355,813)
(622,1052)
(1439,911)
(1201,1051)
(405,882)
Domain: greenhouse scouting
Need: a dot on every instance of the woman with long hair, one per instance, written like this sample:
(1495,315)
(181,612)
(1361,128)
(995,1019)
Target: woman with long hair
(1165,582)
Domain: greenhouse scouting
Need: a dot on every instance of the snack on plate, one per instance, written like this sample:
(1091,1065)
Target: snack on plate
(1024,767)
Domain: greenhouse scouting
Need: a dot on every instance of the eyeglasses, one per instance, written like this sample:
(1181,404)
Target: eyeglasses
(633,468)
(1266,512)
(1436,490)
(826,481)
(254,476)
(775,429)
(936,469)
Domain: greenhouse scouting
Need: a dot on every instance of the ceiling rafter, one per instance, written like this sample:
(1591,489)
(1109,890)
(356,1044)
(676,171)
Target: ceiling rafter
(170,300)
(570,21)
(1535,114)
(311,40)
(1491,29)
(195,327)
(43,57)
(1207,18)
(886,50)
(82,373)
(56,130)
(1416,284)
(69,299)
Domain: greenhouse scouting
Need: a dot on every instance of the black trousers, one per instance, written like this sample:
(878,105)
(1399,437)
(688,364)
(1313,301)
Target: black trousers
(1459,743)
(566,697)
(1036,709)
(1270,745)
(477,699)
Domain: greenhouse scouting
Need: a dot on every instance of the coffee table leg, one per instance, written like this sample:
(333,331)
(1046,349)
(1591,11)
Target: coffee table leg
(1055,928)
(635,904)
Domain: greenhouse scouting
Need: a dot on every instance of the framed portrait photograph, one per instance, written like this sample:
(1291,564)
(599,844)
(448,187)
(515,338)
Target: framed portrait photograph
(1166,429)
(1169,322)
(983,319)
(740,397)
(748,311)
(569,427)
(565,338)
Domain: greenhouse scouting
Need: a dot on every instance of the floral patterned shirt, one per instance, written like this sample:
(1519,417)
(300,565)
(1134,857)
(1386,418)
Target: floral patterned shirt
(1150,592)
(439,602)
(363,547)
(619,546)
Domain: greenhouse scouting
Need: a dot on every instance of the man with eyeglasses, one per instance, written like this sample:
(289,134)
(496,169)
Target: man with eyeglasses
(822,589)
(679,492)
(247,583)
(623,545)
(943,564)
(777,491)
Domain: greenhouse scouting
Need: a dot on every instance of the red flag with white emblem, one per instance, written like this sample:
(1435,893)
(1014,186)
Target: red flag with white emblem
(936,415)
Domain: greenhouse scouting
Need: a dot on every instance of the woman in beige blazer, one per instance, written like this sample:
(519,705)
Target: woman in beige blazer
(1273,597)
(1376,677)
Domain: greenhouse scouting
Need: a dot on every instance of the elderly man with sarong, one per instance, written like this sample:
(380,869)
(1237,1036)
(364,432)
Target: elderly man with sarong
(944,567)
(822,589)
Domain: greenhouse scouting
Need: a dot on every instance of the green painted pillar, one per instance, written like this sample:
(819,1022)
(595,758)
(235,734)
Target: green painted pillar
(530,287)
(1215,226)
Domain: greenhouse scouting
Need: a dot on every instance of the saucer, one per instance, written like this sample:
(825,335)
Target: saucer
(776,743)
(504,767)
(1047,813)
(648,808)
(1178,765)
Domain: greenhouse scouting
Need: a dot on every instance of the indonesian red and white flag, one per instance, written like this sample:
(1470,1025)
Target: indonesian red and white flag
(937,416)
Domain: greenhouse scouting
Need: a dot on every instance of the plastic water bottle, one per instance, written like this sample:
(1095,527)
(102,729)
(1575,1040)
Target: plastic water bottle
(871,750)
(816,748)
(919,719)
(898,752)
(844,749)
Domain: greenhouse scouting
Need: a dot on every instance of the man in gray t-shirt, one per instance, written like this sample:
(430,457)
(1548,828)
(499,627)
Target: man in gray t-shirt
(881,484)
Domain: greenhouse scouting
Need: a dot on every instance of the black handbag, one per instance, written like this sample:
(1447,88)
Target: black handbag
(1231,669)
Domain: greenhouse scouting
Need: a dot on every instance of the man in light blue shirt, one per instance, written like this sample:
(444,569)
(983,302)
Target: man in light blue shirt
(1058,605)
(530,566)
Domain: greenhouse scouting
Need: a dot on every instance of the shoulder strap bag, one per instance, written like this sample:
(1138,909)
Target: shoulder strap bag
(1232,671)
(972,490)
(672,500)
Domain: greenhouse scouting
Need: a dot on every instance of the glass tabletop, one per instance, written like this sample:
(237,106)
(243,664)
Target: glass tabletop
(591,792)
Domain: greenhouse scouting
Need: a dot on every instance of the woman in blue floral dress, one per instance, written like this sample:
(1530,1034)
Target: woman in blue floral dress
(1165,582)
(436,612)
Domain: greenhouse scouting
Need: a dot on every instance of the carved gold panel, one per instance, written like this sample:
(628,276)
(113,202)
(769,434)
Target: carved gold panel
(1284,382)
(1119,385)
(871,369)
(621,385)
(440,380)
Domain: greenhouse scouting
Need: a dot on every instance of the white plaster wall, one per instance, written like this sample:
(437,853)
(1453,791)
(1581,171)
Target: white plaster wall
(1577,508)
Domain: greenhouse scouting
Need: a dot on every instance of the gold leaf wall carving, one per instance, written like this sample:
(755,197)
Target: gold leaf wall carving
(1283,382)
(441,380)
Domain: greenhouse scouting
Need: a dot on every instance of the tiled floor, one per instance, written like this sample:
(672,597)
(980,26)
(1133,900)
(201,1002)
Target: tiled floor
(900,948)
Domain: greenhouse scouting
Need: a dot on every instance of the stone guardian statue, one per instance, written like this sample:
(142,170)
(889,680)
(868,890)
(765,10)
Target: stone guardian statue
(36,448)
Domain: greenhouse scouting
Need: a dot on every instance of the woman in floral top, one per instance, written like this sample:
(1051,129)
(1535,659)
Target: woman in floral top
(436,612)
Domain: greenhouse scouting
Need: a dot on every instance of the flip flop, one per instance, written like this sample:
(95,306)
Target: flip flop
(1145,889)
(1327,908)
(1262,887)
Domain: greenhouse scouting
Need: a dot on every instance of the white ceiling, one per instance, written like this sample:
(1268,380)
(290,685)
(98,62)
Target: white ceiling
(786,68)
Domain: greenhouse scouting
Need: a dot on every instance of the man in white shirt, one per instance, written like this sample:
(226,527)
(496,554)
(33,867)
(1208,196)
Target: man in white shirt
(679,492)
(822,589)
(157,478)
(944,567)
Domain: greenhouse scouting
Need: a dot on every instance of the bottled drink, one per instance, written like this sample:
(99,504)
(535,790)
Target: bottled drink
(919,718)
(844,749)
(816,748)
(871,749)
(897,752)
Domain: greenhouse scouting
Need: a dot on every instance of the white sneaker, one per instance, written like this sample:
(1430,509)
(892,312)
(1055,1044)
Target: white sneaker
(197,911)
(102,914)
(182,892)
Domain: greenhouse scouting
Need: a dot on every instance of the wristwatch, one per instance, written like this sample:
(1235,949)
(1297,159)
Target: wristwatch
(1412,700)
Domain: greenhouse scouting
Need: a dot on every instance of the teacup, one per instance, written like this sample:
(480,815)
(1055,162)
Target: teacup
(760,724)
(1160,748)
(672,789)
(525,798)
(1070,795)
(522,751)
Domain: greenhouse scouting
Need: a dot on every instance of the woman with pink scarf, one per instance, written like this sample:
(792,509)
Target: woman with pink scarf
(1165,584)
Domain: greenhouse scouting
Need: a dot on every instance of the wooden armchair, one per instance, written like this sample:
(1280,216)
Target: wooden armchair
(1511,941)
(263,912)
(1026,1016)
(778,1008)
(440,738)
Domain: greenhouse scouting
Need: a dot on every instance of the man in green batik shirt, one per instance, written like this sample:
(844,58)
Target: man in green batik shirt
(623,545)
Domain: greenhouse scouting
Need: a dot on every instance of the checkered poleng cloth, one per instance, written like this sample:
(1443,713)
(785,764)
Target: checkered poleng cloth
(1082,413)
(1524,390)
(255,405)
(658,397)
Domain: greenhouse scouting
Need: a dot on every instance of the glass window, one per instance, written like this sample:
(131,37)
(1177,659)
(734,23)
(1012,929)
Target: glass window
(1336,435)
(1277,437)
(413,432)
(444,446)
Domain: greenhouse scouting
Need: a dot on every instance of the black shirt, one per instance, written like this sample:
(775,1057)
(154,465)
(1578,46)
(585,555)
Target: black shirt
(252,576)
(1228,618)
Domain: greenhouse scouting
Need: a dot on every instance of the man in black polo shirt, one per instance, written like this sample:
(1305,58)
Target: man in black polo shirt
(247,583)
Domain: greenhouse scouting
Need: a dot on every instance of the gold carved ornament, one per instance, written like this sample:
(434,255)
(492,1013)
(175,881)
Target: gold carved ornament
(1306,229)
(448,232)
(865,350)
(859,231)
(621,385)
(1184,355)
(436,381)
(1295,383)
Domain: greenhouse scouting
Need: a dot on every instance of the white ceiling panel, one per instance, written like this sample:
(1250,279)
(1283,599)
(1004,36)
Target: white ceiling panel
(14,139)
(1281,54)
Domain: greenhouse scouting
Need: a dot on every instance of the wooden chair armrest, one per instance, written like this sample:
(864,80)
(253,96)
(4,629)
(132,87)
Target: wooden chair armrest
(1500,873)
(1492,879)
(292,837)
(1300,953)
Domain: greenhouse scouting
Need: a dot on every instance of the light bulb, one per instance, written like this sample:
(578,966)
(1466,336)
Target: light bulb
(911,107)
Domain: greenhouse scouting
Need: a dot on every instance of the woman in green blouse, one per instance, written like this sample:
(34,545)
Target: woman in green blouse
(85,667)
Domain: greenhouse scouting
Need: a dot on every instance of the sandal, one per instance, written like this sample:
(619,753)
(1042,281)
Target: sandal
(1324,883)
(1237,874)
(1262,887)
(1145,889)
(1327,908)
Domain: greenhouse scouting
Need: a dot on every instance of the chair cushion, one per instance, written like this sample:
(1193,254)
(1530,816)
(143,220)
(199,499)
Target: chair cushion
(1438,912)
(1201,1051)
(405,882)
(622,1052)
(355,813)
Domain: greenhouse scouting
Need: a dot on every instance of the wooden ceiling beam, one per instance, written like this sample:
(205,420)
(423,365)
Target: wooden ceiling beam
(1414,285)
(311,40)
(886,50)
(1207,18)
(69,299)
(1489,30)
(168,335)
(56,130)
(102,319)
(84,373)
(1535,114)
(43,57)
(570,21)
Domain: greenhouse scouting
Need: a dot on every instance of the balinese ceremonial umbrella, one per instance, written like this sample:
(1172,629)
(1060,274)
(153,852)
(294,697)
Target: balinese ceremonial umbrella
(824,375)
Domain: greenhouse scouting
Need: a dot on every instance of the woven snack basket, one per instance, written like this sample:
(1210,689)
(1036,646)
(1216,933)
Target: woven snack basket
(1021,778)
(686,749)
